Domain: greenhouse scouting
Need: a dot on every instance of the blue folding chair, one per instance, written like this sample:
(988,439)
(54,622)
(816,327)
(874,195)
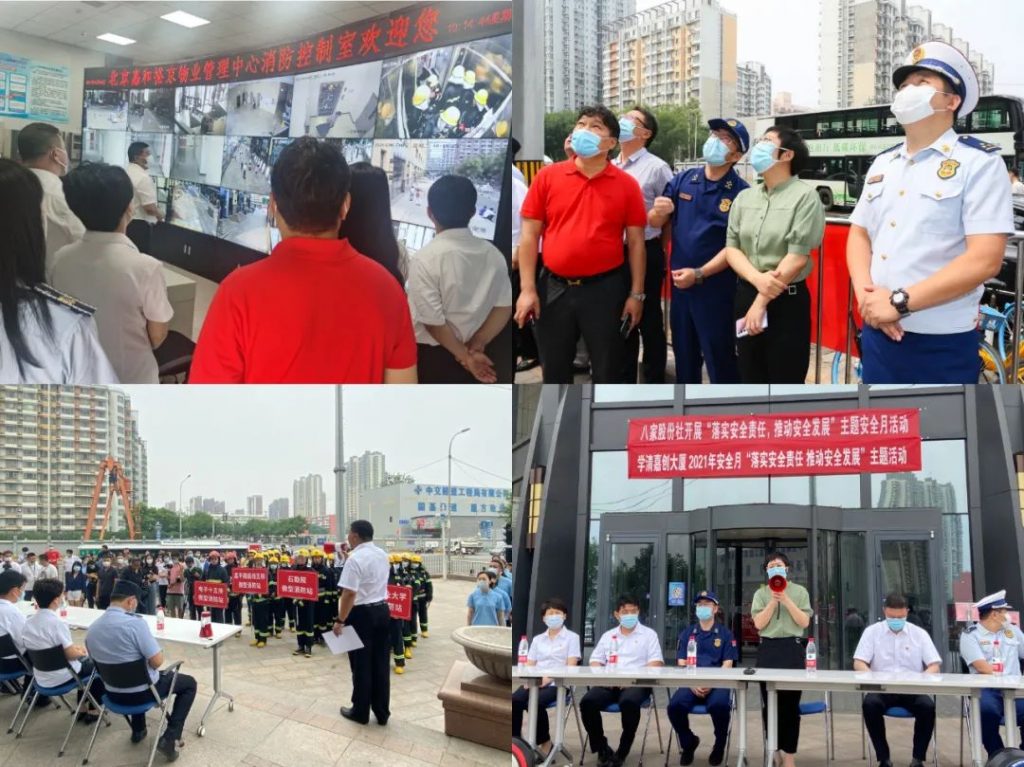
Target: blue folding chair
(651,704)
(125,676)
(702,710)
(812,708)
(570,706)
(898,712)
(53,659)
(9,650)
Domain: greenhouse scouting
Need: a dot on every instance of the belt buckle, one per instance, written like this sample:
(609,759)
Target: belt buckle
(574,283)
(791,289)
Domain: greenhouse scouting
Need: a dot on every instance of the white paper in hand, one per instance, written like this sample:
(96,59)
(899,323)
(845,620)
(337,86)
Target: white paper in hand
(349,640)
(741,326)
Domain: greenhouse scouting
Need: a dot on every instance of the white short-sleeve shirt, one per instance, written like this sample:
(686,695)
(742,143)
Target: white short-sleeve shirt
(918,212)
(554,652)
(42,631)
(366,573)
(127,287)
(883,649)
(978,643)
(62,227)
(145,192)
(638,648)
(12,622)
(519,192)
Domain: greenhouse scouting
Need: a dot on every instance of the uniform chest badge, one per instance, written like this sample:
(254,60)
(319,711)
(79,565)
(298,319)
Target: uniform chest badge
(685,196)
(718,643)
(1009,634)
(724,205)
(728,185)
(875,179)
(948,169)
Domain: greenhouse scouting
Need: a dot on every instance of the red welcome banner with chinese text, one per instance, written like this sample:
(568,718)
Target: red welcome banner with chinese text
(419,27)
(825,442)
(250,580)
(210,594)
(297,584)
(400,602)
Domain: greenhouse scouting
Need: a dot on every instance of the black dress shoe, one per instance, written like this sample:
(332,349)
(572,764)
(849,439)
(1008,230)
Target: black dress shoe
(383,721)
(349,714)
(140,735)
(885,763)
(166,746)
(717,754)
(523,365)
(916,763)
(605,757)
(686,757)
(85,718)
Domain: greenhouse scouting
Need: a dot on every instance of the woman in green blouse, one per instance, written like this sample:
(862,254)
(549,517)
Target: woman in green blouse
(781,618)
(773,228)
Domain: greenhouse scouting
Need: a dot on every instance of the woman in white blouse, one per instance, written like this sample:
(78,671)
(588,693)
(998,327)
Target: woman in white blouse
(554,648)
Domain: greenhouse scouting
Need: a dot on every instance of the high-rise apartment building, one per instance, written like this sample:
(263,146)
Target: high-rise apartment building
(362,472)
(753,90)
(278,509)
(254,506)
(309,499)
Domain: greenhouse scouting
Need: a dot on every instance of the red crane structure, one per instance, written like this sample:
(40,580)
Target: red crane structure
(117,485)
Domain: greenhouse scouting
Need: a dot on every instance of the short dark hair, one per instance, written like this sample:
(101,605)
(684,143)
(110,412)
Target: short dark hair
(45,590)
(310,182)
(776,555)
(99,194)
(895,601)
(554,603)
(363,529)
(514,145)
(135,149)
(791,140)
(605,115)
(626,599)
(30,554)
(452,200)
(650,122)
(69,551)
(36,139)
(11,579)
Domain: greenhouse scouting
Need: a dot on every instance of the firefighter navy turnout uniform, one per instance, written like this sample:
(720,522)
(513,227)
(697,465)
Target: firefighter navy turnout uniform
(305,610)
(260,606)
(426,595)
(396,627)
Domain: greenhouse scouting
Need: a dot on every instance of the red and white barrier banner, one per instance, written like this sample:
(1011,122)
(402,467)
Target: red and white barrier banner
(210,594)
(297,584)
(822,442)
(250,580)
(400,602)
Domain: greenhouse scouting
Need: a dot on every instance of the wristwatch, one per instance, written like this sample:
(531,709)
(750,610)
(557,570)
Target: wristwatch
(900,301)
(698,276)
(641,297)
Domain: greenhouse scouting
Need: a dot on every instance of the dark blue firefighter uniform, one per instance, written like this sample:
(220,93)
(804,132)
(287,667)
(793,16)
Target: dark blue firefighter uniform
(702,321)
(713,648)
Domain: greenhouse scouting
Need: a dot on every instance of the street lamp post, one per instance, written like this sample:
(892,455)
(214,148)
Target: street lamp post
(180,485)
(448,516)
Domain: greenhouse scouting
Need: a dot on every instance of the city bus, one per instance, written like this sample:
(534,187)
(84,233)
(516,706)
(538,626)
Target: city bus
(843,142)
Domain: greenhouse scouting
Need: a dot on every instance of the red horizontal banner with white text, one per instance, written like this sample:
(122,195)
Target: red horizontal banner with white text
(823,442)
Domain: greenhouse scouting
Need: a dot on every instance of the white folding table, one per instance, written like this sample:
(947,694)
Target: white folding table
(177,630)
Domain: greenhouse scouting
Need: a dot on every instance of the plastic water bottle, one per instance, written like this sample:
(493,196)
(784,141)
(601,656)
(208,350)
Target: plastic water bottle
(63,609)
(205,624)
(524,651)
(613,653)
(691,654)
(997,657)
(811,659)
(160,619)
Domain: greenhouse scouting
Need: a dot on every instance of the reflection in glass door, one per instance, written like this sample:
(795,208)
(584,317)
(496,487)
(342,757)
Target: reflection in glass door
(905,565)
(630,567)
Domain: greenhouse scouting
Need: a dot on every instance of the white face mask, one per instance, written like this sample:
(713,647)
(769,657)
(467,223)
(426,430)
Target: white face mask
(914,103)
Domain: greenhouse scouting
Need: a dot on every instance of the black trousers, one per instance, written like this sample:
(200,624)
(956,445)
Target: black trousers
(396,633)
(185,695)
(782,353)
(592,310)
(90,594)
(652,323)
(305,610)
(629,699)
(261,618)
(782,653)
(436,365)
(163,596)
(277,613)
(921,706)
(193,609)
(521,704)
(233,616)
(526,343)
(421,611)
(141,233)
(371,667)
(103,601)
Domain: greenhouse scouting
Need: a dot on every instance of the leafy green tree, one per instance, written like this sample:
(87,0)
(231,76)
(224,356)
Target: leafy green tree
(557,126)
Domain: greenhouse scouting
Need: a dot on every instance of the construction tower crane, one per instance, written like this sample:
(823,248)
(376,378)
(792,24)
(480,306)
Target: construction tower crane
(117,484)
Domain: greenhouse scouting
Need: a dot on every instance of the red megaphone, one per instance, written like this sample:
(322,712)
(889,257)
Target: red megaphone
(777,583)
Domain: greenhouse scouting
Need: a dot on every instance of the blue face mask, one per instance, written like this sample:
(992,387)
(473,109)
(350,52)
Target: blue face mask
(773,571)
(704,612)
(585,144)
(626,128)
(715,151)
(763,156)
(896,624)
(554,621)
(629,621)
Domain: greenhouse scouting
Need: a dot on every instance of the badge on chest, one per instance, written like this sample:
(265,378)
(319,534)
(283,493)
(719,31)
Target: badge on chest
(948,169)
(724,205)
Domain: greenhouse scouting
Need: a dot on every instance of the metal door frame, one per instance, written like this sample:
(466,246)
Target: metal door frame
(654,618)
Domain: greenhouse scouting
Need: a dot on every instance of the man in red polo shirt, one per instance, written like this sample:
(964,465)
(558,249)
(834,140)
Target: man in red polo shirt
(315,310)
(582,208)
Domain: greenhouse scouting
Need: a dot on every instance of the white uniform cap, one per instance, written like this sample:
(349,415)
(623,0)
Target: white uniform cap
(993,601)
(949,62)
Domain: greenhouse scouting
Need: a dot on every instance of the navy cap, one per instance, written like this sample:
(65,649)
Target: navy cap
(735,127)
(123,588)
(705,595)
(949,62)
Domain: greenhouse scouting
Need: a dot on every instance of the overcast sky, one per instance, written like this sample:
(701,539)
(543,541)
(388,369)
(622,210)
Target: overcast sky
(784,37)
(238,441)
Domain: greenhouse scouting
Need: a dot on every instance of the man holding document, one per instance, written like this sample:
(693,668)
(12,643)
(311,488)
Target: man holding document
(363,610)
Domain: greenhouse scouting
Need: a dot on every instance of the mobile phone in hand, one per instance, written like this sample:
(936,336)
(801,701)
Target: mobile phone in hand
(626,327)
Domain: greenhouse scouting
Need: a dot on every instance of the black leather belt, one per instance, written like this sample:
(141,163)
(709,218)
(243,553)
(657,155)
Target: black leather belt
(574,282)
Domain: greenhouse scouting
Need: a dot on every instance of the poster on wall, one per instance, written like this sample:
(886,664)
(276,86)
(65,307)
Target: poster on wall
(32,90)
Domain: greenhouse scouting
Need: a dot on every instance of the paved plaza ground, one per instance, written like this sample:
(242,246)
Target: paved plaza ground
(286,710)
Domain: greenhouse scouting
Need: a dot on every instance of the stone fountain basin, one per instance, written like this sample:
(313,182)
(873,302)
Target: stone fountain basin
(489,648)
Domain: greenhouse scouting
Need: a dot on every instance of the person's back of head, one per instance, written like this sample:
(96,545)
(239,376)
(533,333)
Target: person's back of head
(368,226)
(10,582)
(100,195)
(36,142)
(451,202)
(309,188)
(23,257)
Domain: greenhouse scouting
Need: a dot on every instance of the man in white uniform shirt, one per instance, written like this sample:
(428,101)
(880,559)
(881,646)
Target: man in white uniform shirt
(460,295)
(146,211)
(363,608)
(42,151)
(12,620)
(638,646)
(106,270)
(32,570)
(893,645)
